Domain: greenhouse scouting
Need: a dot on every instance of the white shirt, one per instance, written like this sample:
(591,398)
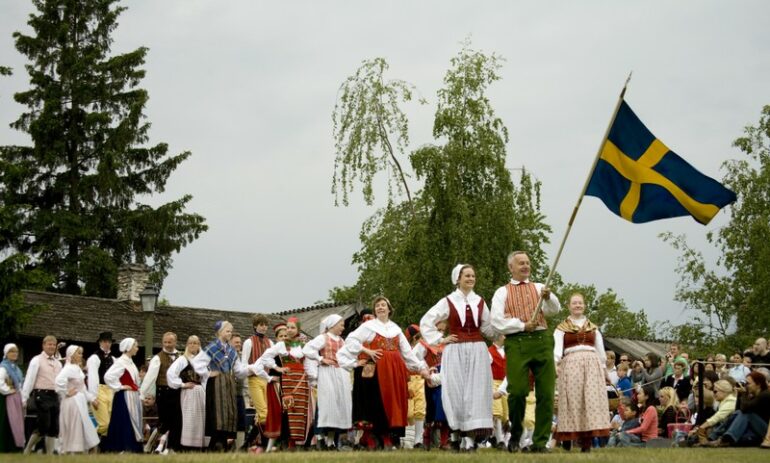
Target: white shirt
(246,349)
(75,372)
(514,325)
(113,374)
(347,356)
(92,366)
(440,312)
(148,383)
(267,360)
(5,389)
(559,351)
(31,377)
(199,364)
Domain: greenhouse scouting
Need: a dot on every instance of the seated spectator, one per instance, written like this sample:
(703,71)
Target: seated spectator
(759,353)
(738,370)
(679,381)
(748,425)
(709,366)
(667,412)
(719,364)
(630,421)
(648,428)
(649,371)
(624,382)
(708,407)
(724,394)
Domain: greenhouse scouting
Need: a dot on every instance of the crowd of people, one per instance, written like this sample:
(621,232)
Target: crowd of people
(467,375)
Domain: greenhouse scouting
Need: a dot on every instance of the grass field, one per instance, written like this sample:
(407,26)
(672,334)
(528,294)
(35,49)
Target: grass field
(413,456)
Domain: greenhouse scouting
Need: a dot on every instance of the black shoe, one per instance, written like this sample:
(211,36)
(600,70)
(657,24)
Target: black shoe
(539,450)
(512,447)
(418,446)
(500,446)
(455,446)
(585,450)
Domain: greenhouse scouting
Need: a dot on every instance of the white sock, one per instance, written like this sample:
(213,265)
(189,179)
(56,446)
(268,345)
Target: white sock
(330,439)
(453,436)
(419,426)
(270,443)
(498,431)
(468,442)
(50,445)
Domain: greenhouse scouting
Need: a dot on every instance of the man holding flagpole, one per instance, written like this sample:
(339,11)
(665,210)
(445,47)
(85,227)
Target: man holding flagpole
(528,346)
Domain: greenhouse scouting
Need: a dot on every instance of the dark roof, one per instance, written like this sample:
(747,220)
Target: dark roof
(310,317)
(637,348)
(81,318)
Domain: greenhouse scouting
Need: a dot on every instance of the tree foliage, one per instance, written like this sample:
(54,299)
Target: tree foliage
(75,192)
(14,277)
(370,132)
(730,300)
(468,209)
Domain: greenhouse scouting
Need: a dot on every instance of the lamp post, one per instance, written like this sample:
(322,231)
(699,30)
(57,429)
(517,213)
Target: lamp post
(149,298)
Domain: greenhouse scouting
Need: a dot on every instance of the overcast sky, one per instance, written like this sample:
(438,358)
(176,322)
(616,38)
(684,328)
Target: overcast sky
(249,88)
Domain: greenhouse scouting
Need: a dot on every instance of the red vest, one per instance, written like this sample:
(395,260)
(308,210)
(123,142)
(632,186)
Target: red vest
(522,301)
(468,332)
(498,363)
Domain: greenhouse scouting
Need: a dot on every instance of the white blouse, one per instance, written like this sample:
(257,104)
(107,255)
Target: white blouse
(68,372)
(113,374)
(199,364)
(440,312)
(558,347)
(347,356)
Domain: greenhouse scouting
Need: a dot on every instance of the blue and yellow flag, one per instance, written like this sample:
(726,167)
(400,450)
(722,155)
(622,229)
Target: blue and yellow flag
(640,179)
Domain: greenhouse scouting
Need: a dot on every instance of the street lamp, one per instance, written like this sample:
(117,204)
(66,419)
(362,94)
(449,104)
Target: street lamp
(149,298)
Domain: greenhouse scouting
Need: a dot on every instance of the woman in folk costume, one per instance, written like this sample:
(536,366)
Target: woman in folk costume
(581,372)
(467,404)
(225,368)
(125,431)
(296,401)
(366,412)
(392,355)
(417,408)
(334,406)
(11,412)
(190,372)
(274,427)
(76,431)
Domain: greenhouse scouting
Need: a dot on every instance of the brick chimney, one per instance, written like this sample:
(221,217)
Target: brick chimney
(132,278)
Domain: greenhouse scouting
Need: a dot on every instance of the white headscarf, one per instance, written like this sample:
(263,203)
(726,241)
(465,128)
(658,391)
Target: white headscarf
(328,322)
(8,348)
(456,273)
(127,344)
(71,351)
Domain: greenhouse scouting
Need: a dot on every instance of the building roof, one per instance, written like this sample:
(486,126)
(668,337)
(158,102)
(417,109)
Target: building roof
(637,348)
(310,317)
(81,319)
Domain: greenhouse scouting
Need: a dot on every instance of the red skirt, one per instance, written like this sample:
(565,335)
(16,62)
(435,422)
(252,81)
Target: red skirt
(393,378)
(274,411)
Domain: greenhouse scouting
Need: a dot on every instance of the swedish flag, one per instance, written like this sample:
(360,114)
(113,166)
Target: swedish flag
(640,179)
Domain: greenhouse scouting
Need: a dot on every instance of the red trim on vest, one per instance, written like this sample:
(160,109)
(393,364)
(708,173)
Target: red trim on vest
(468,332)
(581,338)
(259,344)
(521,302)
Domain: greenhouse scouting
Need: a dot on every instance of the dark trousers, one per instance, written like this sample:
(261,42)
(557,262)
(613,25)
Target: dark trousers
(524,352)
(170,415)
(46,405)
(746,429)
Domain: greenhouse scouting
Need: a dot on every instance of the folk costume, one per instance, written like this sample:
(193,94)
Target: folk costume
(191,370)
(125,431)
(253,348)
(273,427)
(11,412)
(334,406)
(500,410)
(97,365)
(221,408)
(467,405)
(387,410)
(579,354)
(513,305)
(76,431)
(166,398)
(296,401)
(39,395)
(417,408)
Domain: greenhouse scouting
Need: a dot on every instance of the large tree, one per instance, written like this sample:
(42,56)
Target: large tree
(467,211)
(75,191)
(729,300)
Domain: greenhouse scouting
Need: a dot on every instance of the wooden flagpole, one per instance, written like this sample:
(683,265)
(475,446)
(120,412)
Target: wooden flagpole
(582,193)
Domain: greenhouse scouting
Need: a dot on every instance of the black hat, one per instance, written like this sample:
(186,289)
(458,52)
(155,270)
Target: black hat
(106,336)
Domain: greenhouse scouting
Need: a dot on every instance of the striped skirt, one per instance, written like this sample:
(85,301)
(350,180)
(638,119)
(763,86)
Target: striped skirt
(221,411)
(193,402)
(297,403)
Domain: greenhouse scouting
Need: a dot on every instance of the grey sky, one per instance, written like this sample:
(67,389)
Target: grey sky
(249,88)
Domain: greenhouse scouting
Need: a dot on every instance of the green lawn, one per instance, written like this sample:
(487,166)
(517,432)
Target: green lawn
(413,456)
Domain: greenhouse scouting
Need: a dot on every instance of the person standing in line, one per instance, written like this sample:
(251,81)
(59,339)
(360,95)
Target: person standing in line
(76,431)
(39,386)
(11,411)
(253,348)
(417,398)
(392,358)
(500,410)
(189,374)
(275,427)
(125,433)
(240,401)
(582,375)
(528,346)
(467,405)
(334,405)
(225,369)
(165,397)
(98,364)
